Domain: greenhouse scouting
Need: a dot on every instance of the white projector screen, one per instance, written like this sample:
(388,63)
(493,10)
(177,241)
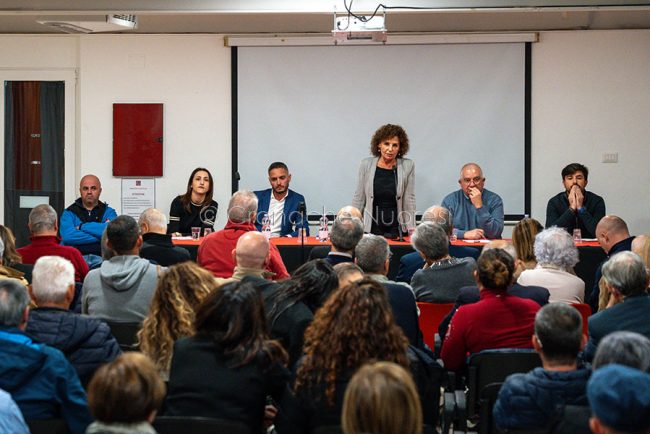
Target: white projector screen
(316,108)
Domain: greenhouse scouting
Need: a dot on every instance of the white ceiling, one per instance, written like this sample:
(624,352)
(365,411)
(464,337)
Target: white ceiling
(315,16)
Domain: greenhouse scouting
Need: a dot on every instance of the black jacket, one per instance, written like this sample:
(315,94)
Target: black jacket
(159,248)
(86,342)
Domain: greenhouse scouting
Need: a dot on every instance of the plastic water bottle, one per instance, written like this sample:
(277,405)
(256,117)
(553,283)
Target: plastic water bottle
(323,229)
(266,226)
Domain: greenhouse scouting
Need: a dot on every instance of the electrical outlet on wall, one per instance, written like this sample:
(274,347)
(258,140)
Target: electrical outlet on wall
(610,157)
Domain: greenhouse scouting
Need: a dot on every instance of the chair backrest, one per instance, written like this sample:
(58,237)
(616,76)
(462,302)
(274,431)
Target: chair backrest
(198,425)
(47,426)
(494,366)
(431,315)
(487,399)
(125,334)
(585,311)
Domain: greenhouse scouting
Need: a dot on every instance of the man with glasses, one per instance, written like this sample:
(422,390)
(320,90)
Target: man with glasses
(478,212)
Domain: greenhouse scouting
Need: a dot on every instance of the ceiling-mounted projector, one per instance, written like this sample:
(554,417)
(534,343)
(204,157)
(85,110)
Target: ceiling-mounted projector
(351,28)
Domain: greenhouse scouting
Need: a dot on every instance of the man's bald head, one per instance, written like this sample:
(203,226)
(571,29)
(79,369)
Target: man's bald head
(89,189)
(610,230)
(349,211)
(441,216)
(252,250)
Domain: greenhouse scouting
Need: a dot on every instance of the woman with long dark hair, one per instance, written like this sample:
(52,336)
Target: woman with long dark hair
(293,306)
(195,208)
(354,326)
(230,366)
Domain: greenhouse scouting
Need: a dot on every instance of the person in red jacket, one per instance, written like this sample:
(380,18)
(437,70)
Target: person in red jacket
(498,320)
(216,251)
(43,225)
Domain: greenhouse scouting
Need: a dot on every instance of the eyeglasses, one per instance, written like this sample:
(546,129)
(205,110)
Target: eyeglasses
(476,180)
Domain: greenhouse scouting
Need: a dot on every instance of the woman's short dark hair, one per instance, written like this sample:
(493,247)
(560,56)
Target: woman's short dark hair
(233,316)
(126,390)
(186,199)
(495,268)
(389,131)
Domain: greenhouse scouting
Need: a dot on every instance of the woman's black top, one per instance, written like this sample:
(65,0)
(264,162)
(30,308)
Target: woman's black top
(200,216)
(384,203)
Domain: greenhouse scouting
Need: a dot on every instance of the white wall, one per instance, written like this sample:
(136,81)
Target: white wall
(590,94)
(190,75)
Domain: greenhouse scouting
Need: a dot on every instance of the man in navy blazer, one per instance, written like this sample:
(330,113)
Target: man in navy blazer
(281,204)
(626,278)
(412,262)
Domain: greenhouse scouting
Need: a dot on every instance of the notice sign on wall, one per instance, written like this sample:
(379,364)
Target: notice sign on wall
(138,194)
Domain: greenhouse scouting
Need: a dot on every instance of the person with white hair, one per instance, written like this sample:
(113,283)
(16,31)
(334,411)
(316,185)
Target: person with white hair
(86,342)
(157,244)
(43,227)
(556,255)
(215,252)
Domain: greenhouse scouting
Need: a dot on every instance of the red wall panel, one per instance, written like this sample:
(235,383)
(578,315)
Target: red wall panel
(137,140)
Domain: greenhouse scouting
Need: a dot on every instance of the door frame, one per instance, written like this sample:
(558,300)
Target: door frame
(69,77)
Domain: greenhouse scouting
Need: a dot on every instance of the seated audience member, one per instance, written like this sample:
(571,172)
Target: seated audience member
(523,238)
(443,275)
(281,204)
(556,256)
(641,246)
(613,237)
(471,294)
(157,245)
(122,288)
(232,345)
(347,273)
(412,262)
(354,326)
(43,225)
(619,397)
(83,222)
(179,292)
(11,419)
(320,252)
(575,207)
(195,208)
(38,377)
(499,320)
(537,399)
(381,398)
(478,212)
(125,395)
(251,257)
(626,278)
(291,309)
(345,235)
(624,348)
(215,252)
(86,342)
(10,273)
(373,257)
(10,260)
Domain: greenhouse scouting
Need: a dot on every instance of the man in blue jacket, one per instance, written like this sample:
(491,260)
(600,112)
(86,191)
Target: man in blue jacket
(83,222)
(281,204)
(38,377)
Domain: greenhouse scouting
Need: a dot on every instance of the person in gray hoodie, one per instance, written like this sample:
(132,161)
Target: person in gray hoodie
(122,288)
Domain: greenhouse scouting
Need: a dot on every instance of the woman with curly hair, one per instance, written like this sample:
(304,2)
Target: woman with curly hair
(179,292)
(296,301)
(386,184)
(229,367)
(354,326)
(523,238)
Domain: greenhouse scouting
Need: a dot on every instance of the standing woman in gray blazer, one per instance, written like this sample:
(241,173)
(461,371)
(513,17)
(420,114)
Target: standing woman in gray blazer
(386,184)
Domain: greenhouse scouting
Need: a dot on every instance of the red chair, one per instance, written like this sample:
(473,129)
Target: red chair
(585,311)
(431,315)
